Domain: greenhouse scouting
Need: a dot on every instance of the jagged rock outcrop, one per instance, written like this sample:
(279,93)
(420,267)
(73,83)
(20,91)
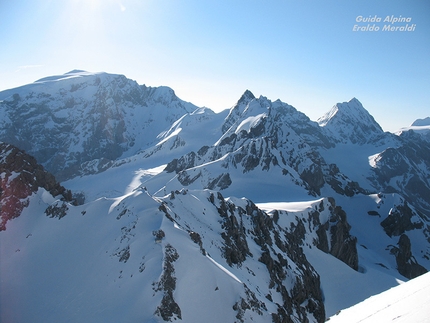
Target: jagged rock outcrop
(21,176)
(168,309)
(334,236)
(406,262)
(401,219)
(343,246)
(329,230)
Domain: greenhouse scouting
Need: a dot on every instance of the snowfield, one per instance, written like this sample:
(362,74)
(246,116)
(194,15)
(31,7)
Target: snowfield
(408,302)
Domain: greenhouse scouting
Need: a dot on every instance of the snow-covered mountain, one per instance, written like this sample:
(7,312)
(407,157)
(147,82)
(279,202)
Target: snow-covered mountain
(168,211)
(421,126)
(265,151)
(80,121)
(349,122)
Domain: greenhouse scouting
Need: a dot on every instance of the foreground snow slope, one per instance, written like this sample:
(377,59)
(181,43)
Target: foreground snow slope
(406,303)
(190,255)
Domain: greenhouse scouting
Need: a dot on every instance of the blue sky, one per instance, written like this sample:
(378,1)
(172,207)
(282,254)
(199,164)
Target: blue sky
(303,52)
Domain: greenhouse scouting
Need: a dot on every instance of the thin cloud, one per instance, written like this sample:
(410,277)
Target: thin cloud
(26,67)
(121,5)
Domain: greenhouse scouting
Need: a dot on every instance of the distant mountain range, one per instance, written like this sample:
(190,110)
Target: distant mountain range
(167,211)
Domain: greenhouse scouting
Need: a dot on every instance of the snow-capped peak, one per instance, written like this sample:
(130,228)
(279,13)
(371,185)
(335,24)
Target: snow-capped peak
(68,75)
(353,108)
(421,122)
(350,121)
(237,110)
(420,126)
(75,71)
(247,96)
(106,116)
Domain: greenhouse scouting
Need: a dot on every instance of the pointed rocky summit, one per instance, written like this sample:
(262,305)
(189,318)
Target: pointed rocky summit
(350,122)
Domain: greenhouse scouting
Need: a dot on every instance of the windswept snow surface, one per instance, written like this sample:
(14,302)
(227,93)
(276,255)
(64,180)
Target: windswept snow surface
(406,303)
(102,263)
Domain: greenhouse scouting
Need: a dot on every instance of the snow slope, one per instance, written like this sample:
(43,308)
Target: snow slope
(406,303)
(141,258)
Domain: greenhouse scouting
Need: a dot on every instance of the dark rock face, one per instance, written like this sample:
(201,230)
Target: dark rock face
(314,177)
(249,302)
(186,178)
(235,245)
(333,236)
(406,262)
(168,309)
(184,162)
(57,210)
(340,183)
(343,245)
(221,182)
(22,176)
(400,220)
(268,235)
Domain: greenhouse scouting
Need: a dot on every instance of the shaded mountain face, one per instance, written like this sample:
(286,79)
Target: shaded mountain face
(77,120)
(404,169)
(156,172)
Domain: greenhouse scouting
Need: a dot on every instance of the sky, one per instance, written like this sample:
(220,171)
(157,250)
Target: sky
(303,52)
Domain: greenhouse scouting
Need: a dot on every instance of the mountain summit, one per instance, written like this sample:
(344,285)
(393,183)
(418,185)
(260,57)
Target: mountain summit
(80,119)
(421,122)
(350,122)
